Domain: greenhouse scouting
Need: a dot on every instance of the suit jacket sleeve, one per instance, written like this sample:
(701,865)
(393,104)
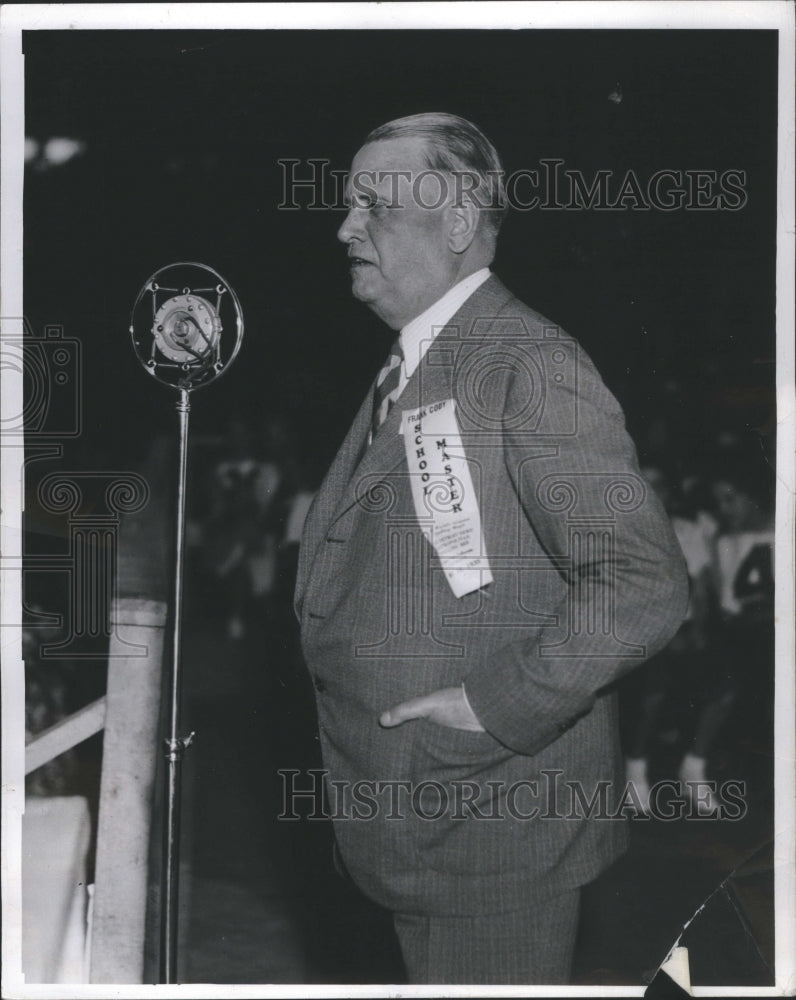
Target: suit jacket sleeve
(525,696)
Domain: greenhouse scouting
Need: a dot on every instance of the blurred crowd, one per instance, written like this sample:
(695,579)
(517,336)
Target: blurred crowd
(712,688)
(251,494)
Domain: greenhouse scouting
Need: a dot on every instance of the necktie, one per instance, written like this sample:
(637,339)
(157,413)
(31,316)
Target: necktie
(386,391)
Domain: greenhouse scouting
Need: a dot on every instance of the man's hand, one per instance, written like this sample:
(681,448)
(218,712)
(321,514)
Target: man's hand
(447,706)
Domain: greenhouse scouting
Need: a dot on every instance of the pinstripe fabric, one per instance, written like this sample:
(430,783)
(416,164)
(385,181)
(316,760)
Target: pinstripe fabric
(588,582)
(524,947)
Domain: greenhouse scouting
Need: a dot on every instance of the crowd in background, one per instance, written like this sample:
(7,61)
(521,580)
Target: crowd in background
(245,522)
(713,685)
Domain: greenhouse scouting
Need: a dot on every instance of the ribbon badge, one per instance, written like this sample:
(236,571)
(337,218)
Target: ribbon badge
(444,498)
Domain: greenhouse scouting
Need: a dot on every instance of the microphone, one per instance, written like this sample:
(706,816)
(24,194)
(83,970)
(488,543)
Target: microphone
(187,329)
(187,325)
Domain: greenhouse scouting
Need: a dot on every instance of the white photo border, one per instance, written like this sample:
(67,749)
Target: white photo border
(15,18)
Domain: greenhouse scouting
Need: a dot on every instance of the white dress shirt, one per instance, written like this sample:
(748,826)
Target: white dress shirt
(418,335)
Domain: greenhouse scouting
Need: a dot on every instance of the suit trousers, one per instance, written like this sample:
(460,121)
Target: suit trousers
(529,946)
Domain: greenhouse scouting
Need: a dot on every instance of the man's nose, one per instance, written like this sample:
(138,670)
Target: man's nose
(351,228)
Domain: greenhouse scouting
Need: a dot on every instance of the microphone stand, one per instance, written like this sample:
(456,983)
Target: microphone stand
(185,342)
(176,745)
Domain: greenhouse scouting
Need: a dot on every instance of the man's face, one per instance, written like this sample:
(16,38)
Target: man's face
(397,242)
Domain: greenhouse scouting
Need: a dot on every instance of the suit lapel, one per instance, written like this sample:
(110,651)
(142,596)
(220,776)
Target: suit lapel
(385,453)
(430,382)
(358,468)
(319,516)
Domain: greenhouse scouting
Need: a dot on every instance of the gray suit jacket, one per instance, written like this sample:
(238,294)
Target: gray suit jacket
(588,582)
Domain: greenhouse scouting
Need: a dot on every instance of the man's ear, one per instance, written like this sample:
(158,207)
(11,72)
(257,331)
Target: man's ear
(464,216)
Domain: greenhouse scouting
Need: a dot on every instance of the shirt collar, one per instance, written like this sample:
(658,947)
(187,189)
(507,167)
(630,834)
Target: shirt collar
(418,335)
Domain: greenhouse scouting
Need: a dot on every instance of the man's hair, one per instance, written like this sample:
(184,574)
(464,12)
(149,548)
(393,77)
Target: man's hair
(456,146)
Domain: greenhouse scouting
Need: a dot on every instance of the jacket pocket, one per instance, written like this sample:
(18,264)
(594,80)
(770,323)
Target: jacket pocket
(459,782)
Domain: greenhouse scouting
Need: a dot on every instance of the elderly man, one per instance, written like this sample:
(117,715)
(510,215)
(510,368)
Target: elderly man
(480,564)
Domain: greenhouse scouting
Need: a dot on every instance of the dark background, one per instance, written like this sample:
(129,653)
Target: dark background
(183,131)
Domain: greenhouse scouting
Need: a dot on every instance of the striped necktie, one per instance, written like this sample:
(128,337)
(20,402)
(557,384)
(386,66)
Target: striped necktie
(386,391)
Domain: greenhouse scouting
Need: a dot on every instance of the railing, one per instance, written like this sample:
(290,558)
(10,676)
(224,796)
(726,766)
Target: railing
(64,735)
(129,714)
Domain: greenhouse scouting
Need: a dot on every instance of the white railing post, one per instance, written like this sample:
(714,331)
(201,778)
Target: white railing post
(129,763)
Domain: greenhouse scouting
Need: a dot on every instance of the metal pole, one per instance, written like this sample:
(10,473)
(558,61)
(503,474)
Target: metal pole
(175,744)
(183,354)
